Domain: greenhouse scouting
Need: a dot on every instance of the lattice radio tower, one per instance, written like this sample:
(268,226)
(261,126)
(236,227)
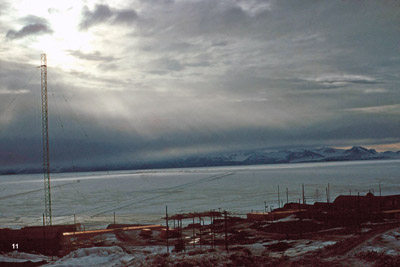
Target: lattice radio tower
(45,135)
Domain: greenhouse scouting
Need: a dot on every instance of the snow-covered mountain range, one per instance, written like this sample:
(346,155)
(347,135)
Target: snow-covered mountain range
(252,157)
(290,156)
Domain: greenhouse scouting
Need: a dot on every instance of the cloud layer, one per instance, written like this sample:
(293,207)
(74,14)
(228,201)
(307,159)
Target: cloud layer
(105,14)
(35,26)
(143,81)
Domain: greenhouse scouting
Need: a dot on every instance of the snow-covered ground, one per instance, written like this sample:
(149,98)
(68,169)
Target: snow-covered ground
(388,243)
(16,256)
(295,247)
(114,253)
(141,196)
(142,256)
(96,256)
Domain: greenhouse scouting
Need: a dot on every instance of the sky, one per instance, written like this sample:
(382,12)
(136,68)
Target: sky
(141,80)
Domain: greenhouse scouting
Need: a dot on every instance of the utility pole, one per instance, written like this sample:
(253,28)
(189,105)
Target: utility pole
(279,198)
(45,136)
(226,231)
(166,228)
(380,191)
(328,194)
(327,197)
(287,195)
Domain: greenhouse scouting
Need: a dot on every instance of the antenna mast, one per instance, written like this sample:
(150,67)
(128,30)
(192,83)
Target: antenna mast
(45,135)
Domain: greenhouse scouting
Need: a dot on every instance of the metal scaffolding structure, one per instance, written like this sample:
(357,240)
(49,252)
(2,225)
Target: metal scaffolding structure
(45,136)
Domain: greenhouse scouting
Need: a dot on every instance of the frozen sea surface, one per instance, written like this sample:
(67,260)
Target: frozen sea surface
(141,196)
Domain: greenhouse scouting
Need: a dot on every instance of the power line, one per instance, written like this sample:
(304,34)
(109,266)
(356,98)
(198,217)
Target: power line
(167,190)
(62,125)
(30,192)
(207,179)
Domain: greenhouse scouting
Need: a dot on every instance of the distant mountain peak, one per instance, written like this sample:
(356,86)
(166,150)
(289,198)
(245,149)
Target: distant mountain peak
(360,150)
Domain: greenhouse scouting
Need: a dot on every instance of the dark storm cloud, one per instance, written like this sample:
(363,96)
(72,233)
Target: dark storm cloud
(193,18)
(274,49)
(100,14)
(94,145)
(35,26)
(125,16)
(95,56)
(31,29)
(103,13)
(316,29)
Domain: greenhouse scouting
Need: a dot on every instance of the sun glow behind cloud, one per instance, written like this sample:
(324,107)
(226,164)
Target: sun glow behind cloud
(63,18)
